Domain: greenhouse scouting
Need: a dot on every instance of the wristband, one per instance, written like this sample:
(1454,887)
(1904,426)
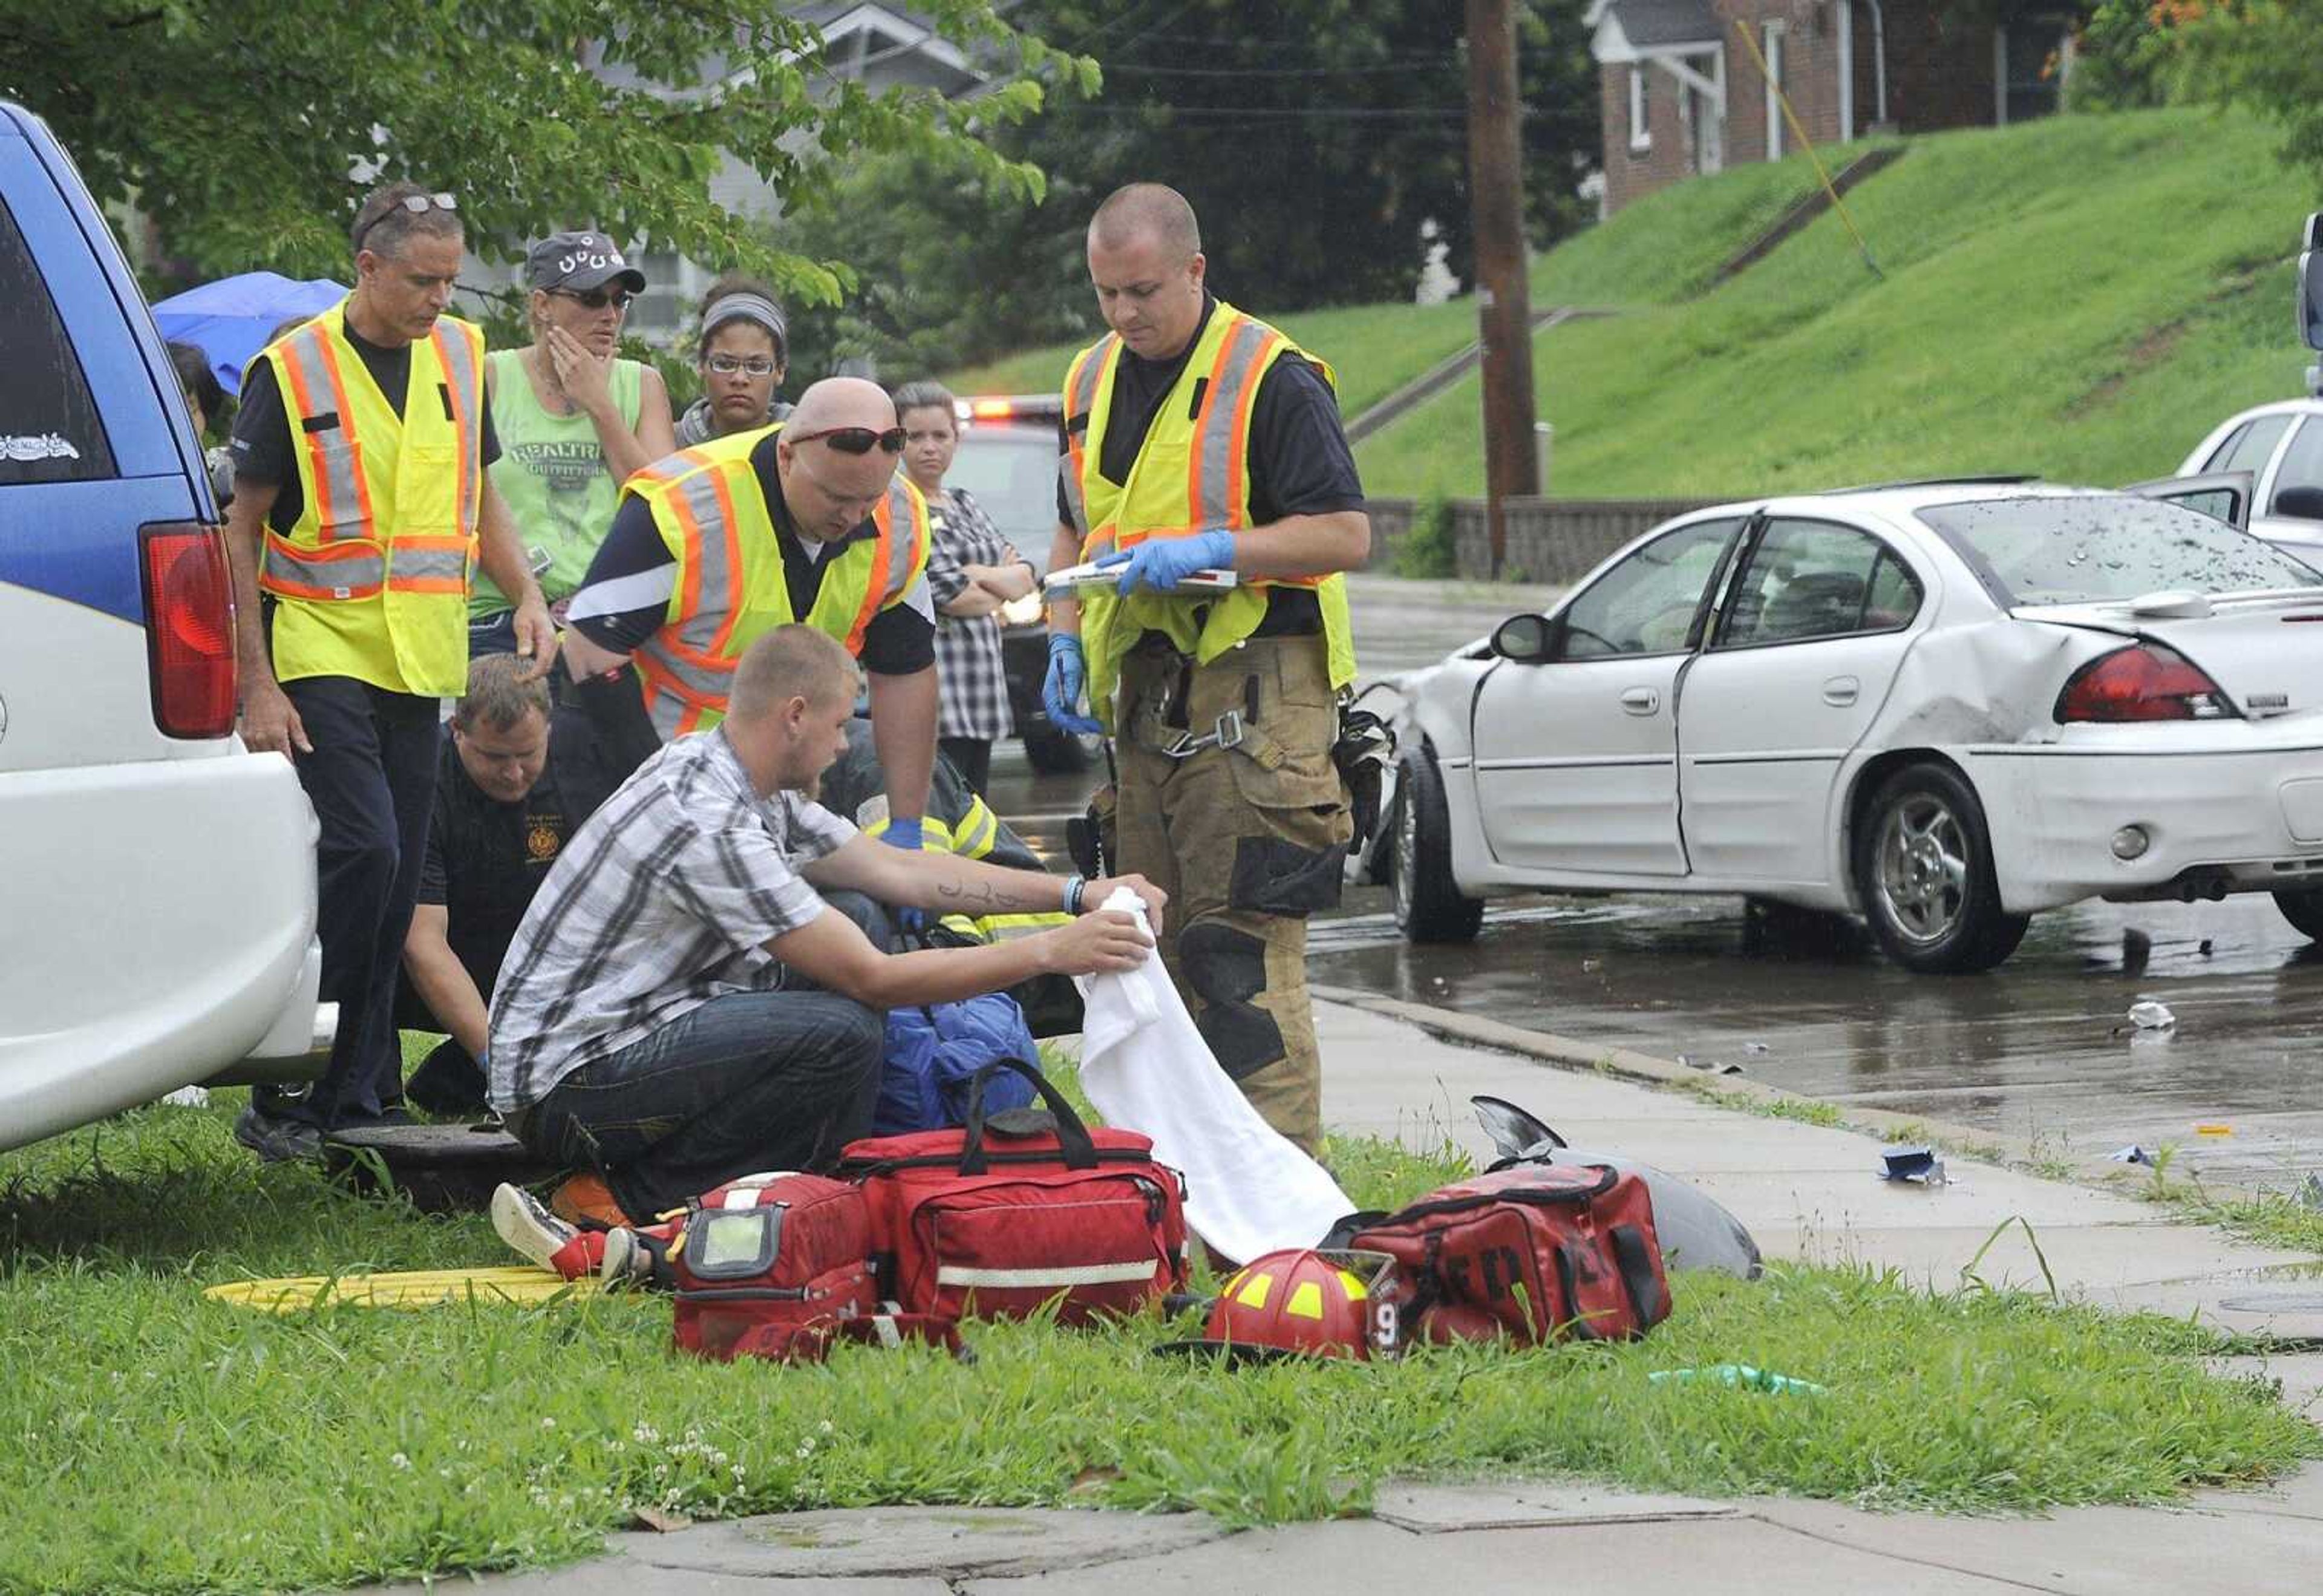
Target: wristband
(1075,885)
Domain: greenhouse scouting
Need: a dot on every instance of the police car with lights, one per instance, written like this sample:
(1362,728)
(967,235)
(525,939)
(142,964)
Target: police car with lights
(1008,459)
(157,883)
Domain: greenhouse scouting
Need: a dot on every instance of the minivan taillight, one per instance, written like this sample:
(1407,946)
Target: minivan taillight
(189,629)
(2144,682)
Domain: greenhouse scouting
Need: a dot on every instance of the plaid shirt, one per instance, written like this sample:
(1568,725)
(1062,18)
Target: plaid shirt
(975,685)
(663,901)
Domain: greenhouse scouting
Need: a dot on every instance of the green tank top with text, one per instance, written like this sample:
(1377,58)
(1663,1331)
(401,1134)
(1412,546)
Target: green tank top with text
(552,473)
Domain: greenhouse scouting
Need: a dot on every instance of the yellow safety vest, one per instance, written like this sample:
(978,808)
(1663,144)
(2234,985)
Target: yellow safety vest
(730,587)
(973,838)
(372,580)
(1192,474)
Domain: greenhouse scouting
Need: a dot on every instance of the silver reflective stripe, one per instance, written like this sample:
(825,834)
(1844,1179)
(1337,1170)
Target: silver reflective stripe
(1082,402)
(339,578)
(1236,374)
(431,563)
(458,356)
(1086,1274)
(901,530)
(715,574)
(884,1326)
(709,686)
(327,448)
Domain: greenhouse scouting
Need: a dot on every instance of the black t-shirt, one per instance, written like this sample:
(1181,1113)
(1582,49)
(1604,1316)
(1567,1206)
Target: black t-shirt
(262,427)
(1299,461)
(486,858)
(900,641)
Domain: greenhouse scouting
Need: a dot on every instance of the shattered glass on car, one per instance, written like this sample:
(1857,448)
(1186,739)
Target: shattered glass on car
(2096,547)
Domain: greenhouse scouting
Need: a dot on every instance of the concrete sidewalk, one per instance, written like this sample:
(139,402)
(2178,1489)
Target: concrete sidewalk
(1808,1193)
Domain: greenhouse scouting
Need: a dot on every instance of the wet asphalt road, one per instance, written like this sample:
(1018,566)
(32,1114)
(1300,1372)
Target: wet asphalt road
(2039,1049)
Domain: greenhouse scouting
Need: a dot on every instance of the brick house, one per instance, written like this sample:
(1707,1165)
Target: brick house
(1681,94)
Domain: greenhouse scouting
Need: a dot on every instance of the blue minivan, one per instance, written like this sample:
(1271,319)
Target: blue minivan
(157,881)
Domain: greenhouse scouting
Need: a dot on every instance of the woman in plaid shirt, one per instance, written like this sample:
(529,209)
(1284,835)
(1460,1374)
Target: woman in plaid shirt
(972,572)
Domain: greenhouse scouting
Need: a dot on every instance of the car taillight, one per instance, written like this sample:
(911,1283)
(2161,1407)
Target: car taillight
(2144,682)
(990,409)
(190,630)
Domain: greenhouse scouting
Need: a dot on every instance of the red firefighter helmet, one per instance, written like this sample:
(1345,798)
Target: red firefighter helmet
(1300,1301)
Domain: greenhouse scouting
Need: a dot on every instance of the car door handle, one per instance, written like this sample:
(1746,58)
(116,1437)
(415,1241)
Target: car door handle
(1641,701)
(1841,691)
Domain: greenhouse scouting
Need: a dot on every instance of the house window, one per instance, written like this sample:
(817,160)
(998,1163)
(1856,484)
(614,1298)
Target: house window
(1641,133)
(2031,67)
(1771,36)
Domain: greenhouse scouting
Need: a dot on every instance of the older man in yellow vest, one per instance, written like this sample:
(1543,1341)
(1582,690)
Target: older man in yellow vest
(1200,441)
(361,505)
(805,521)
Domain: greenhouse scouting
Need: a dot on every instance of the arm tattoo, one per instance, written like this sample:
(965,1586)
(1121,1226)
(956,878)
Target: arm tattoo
(978,897)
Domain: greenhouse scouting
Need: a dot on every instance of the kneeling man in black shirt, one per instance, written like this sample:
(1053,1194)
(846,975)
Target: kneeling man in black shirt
(501,818)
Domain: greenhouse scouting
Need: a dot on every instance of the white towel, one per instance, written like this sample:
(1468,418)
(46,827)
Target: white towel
(1249,1189)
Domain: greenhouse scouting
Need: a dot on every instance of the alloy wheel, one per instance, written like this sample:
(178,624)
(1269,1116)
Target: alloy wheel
(1922,856)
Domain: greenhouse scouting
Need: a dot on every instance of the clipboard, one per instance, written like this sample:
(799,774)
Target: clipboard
(1075,577)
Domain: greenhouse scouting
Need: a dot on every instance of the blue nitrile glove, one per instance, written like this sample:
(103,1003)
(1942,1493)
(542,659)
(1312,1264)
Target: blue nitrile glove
(907,835)
(1161,563)
(1061,689)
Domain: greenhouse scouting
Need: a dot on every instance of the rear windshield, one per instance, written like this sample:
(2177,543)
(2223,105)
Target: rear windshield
(2097,546)
(49,429)
(1011,472)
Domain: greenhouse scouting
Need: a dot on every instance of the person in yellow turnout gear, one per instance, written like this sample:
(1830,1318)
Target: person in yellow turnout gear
(1199,439)
(360,507)
(805,521)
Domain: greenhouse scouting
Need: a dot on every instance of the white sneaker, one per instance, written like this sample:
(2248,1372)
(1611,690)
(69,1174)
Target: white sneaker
(527,1225)
(627,1263)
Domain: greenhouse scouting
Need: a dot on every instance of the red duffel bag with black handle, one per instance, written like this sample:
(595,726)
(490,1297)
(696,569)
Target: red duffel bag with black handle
(996,1217)
(1532,1253)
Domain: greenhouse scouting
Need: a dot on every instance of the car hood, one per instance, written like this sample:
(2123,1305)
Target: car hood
(2264,649)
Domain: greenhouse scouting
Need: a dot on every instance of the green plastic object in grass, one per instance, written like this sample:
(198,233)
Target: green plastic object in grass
(1744,1376)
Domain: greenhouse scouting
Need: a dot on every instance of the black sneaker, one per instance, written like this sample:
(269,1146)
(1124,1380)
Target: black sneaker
(276,1138)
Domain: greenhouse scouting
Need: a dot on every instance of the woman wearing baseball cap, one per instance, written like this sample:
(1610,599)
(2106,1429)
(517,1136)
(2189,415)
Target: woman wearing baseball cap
(741,348)
(573,418)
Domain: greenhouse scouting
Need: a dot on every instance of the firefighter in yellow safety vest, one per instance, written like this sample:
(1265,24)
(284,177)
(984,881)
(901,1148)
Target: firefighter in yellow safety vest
(805,521)
(361,508)
(1203,448)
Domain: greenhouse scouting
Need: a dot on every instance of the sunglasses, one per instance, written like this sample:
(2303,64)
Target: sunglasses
(596,298)
(855,440)
(418,205)
(757,365)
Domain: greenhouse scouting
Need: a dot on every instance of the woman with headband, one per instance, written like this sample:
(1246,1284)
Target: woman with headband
(741,353)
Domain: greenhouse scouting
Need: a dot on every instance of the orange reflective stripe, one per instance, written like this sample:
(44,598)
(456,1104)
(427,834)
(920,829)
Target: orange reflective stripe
(1238,445)
(339,397)
(1218,377)
(351,570)
(730,525)
(428,564)
(875,588)
(459,377)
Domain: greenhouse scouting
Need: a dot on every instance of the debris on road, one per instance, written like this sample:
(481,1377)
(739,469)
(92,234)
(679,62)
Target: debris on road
(1743,1376)
(2132,1155)
(1918,1164)
(2213,1128)
(1714,1066)
(1756,1048)
(2149,1015)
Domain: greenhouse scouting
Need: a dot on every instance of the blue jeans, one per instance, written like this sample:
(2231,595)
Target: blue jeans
(747,1082)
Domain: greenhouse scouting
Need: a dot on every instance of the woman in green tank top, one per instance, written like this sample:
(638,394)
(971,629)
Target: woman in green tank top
(573,420)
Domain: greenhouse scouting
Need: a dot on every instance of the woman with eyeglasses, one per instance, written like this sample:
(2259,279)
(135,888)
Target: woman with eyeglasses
(742,348)
(972,572)
(574,419)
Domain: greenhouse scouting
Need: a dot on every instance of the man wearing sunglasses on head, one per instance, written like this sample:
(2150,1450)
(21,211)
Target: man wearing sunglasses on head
(573,418)
(805,521)
(1200,439)
(360,504)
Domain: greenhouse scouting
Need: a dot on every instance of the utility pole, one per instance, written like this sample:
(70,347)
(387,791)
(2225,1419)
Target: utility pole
(1503,297)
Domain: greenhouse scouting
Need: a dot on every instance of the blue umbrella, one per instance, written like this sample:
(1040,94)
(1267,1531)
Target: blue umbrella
(229,320)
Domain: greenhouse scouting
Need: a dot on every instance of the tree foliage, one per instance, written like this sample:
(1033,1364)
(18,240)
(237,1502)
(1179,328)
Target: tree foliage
(2265,54)
(249,129)
(1323,144)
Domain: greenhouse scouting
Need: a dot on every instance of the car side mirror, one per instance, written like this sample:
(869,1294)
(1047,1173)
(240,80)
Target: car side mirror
(2303,504)
(1527,639)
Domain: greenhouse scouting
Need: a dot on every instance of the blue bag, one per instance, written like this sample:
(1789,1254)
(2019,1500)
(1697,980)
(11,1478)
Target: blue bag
(934,1050)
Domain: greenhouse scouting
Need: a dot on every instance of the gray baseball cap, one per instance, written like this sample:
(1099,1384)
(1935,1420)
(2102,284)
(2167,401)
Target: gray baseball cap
(579,262)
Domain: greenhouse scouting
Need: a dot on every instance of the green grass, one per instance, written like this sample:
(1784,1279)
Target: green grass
(2082,296)
(155,1441)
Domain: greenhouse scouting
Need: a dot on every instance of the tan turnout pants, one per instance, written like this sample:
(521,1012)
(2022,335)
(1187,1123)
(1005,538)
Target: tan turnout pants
(1247,841)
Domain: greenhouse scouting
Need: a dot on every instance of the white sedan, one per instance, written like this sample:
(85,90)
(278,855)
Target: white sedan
(1944,706)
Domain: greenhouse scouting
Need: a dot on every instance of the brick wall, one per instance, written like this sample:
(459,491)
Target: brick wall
(1939,70)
